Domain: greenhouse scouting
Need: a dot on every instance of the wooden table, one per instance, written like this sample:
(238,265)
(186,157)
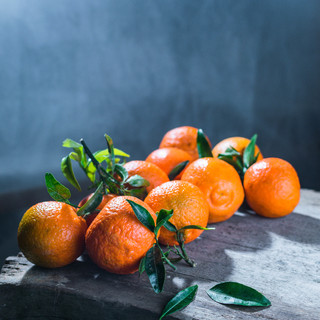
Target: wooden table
(278,257)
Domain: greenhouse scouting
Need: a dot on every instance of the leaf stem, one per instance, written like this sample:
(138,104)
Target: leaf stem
(183,252)
(105,177)
(165,258)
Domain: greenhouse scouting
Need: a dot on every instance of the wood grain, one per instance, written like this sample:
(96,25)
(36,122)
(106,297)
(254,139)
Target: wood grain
(278,257)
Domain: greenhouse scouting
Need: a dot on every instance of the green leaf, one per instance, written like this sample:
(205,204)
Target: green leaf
(120,153)
(68,143)
(121,171)
(56,190)
(163,217)
(140,193)
(142,265)
(177,169)
(93,203)
(137,181)
(180,301)
(248,153)
(103,154)
(195,227)
(238,294)
(111,150)
(155,268)
(203,146)
(230,160)
(66,168)
(78,149)
(74,156)
(143,215)
(171,227)
(90,171)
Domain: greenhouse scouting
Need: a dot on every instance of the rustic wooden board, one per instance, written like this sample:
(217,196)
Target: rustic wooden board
(279,257)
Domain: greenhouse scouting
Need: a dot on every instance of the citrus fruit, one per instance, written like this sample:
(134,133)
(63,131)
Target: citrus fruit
(272,187)
(116,240)
(51,234)
(148,171)
(105,199)
(220,184)
(238,143)
(168,158)
(189,208)
(184,138)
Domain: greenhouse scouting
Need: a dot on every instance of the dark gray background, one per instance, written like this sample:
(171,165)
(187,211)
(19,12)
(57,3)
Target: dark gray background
(135,69)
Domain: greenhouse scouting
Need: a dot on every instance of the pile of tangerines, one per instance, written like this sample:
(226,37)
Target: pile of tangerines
(168,199)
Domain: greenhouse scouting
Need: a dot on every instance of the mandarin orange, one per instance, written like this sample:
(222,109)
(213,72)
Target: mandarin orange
(116,240)
(51,234)
(238,143)
(220,184)
(168,158)
(272,187)
(147,170)
(189,208)
(184,138)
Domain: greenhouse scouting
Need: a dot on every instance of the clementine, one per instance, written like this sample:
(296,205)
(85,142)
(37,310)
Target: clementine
(116,240)
(168,158)
(220,184)
(272,187)
(238,143)
(51,234)
(189,208)
(147,170)
(184,138)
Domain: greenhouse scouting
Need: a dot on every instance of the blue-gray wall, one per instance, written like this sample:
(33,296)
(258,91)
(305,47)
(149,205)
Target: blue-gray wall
(135,69)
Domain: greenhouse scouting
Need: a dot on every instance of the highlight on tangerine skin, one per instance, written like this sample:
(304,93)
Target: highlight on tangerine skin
(272,187)
(220,184)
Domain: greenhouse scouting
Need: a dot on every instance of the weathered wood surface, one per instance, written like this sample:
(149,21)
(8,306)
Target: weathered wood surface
(280,258)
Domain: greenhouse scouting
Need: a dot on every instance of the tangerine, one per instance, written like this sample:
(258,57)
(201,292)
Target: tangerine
(168,158)
(51,235)
(189,208)
(238,143)
(220,184)
(116,240)
(148,171)
(184,138)
(272,187)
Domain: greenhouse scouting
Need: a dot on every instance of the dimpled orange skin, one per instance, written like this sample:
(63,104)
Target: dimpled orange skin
(116,240)
(148,171)
(220,184)
(51,234)
(105,199)
(184,138)
(189,208)
(272,187)
(239,143)
(167,158)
